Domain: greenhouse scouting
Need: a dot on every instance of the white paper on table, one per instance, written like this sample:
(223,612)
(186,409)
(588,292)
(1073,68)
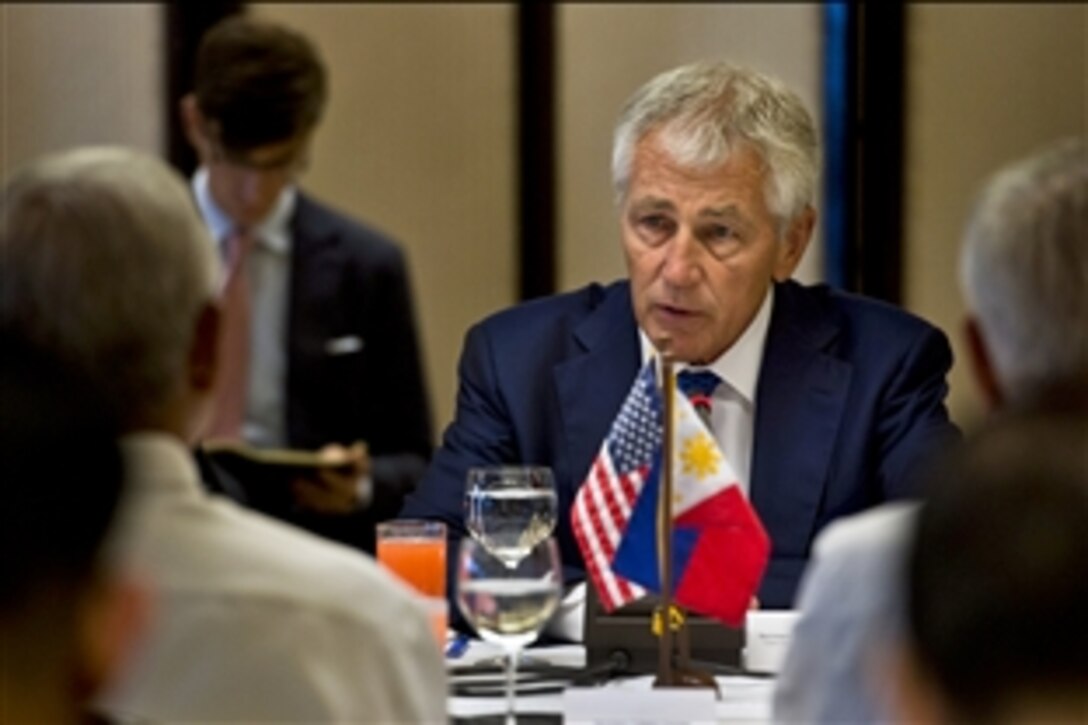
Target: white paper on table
(621,705)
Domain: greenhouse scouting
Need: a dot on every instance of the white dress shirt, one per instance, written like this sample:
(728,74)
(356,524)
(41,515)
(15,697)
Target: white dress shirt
(265,423)
(254,620)
(733,408)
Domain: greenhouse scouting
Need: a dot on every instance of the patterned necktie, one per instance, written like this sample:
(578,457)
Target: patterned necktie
(233,386)
(699,386)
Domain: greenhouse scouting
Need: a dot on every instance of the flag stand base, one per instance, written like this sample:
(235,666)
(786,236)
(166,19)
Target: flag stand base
(676,670)
(625,637)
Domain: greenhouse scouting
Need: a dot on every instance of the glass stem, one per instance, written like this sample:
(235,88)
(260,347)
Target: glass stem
(511,669)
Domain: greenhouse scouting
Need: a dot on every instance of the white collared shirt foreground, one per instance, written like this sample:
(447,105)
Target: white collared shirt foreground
(254,620)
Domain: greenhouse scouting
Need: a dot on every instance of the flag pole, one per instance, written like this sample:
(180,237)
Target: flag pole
(671,672)
(666,677)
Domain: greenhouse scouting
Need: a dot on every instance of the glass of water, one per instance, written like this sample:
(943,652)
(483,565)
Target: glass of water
(510,509)
(508,605)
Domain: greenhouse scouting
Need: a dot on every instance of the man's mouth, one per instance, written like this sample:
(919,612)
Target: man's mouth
(673,314)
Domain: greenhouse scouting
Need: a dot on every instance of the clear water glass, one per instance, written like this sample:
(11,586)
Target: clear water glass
(510,509)
(508,605)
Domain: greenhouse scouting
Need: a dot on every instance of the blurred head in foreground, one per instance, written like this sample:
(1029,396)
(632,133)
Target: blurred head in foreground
(107,265)
(66,620)
(997,591)
(1024,274)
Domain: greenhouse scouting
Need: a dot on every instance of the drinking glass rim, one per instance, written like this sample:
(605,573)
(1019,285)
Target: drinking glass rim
(507,469)
(411,529)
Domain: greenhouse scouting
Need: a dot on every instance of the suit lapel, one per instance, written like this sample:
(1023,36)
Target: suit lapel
(315,272)
(591,386)
(800,401)
(313,311)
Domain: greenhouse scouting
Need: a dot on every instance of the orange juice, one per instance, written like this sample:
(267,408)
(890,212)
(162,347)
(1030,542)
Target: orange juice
(421,562)
(415,551)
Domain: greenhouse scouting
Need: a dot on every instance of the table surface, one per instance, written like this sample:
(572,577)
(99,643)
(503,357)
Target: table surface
(743,699)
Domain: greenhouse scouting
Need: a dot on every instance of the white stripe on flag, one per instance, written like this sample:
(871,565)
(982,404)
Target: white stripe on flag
(599,567)
(606,527)
(617,489)
(600,508)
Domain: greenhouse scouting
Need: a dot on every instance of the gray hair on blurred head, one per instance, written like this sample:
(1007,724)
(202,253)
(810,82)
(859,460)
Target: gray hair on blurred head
(705,110)
(1024,268)
(106,262)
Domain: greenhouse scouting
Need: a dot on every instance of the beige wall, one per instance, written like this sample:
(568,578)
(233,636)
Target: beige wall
(606,51)
(72,75)
(419,139)
(986,84)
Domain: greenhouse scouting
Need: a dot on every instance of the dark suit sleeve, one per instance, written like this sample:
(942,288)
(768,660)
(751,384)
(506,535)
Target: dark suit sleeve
(913,422)
(480,434)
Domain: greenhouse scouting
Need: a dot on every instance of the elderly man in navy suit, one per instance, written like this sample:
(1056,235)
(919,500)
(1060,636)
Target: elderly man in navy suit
(320,333)
(826,400)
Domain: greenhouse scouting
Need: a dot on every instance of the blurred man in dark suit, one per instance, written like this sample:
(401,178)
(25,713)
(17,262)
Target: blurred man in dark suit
(321,348)
(67,616)
(1024,274)
(825,401)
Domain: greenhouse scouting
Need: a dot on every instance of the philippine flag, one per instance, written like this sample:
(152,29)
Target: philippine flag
(720,548)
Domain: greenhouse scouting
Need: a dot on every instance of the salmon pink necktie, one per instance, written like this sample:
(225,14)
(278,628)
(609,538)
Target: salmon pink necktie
(233,386)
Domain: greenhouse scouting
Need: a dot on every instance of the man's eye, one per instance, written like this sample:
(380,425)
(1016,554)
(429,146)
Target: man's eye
(654,227)
(720,239)
(721,231)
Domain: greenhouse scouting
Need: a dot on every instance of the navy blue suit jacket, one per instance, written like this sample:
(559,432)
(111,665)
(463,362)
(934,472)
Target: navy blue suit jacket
(850,399)
(350,281)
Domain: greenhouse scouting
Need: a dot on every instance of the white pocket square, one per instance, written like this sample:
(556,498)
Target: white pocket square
(344,345)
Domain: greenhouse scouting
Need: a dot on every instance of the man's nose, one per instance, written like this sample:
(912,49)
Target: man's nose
(683,263)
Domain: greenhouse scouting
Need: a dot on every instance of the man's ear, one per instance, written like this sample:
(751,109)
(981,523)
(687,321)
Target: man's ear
(982,363)
(192,120)
(914,695)
(793,244)
(204,352)
(203,372)
(113,618)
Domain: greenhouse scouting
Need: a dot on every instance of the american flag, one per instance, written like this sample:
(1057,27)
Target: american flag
(603,505)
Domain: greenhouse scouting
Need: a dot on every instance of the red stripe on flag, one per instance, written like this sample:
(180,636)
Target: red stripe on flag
(596,548)
(614,488)
(589,551)
(591,555)
(607,485)
(608,531)
(599,523)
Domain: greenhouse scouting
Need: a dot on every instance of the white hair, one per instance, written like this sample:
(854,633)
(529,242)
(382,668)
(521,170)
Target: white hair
(105,261)
(705,110)
(1024,268)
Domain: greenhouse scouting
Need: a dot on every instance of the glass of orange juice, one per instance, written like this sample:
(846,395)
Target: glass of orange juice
(415,551)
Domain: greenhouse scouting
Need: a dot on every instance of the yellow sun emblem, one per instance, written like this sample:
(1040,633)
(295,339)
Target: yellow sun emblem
(699,457)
